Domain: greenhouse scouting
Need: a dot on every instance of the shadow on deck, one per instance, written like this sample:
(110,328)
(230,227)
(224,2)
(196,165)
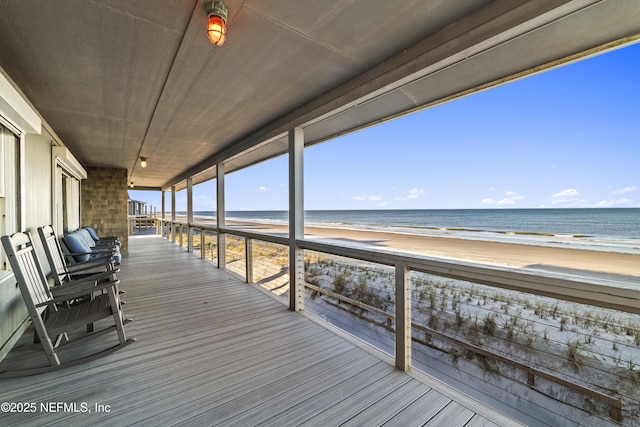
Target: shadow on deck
(213,350)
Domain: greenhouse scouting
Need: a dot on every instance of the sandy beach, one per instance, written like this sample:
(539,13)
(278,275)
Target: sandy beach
(608,265)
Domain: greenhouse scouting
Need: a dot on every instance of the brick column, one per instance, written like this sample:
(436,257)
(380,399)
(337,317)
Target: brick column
(105,203)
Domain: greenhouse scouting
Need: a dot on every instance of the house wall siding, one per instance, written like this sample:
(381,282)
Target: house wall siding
(38,200)
(104,202)
(36,212)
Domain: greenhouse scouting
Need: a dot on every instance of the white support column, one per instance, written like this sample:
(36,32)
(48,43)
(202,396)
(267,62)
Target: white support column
(173,213)
(163,212)
(220,216)
(296,219)
(403,316)
(189,214)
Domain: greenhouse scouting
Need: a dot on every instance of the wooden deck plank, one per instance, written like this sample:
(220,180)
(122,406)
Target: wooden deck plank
(212,349)
(421,410)
(358,402)
(164,369)
(453,414)
(382,410)
(272,390)
(478,421)
(324,397)
(166,403)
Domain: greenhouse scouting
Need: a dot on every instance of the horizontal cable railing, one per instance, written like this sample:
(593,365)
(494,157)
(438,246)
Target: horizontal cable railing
(487,316)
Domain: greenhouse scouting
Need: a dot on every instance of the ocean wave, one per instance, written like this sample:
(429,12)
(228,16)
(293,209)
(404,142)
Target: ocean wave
(609,230)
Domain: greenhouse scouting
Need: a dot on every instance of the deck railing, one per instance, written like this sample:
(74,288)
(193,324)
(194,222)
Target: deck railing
(142,224)
(542,332)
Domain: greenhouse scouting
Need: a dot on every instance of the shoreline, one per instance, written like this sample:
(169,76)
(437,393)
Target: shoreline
(590,263)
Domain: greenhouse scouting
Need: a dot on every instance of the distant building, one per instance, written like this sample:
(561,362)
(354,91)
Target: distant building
(140,208)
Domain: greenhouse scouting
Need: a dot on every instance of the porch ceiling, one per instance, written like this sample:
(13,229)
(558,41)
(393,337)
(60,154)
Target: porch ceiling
(117,80)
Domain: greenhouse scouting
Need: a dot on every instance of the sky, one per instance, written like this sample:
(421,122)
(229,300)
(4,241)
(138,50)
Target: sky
(565,138)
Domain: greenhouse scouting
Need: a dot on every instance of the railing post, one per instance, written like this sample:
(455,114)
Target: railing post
(189,214)
(222,250)
(296,219)
(202,240)
(173,214)
(403,316)
(248,249)
(220,216)
(163,208)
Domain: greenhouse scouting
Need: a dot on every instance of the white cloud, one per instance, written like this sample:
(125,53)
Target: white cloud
(618,202)
(370,198)
(569,198)
(625,190)
(511,199)
(505,202)
(383,204)
(570,192)
(263,188)
(569,202)
(203,203)
(414,193)
(615,203)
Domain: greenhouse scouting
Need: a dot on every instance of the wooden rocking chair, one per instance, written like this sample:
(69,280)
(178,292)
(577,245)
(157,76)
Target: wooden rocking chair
(62,317)
(65,274)
(62,272)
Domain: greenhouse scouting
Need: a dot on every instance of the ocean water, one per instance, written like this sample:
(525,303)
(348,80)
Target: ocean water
(602,229)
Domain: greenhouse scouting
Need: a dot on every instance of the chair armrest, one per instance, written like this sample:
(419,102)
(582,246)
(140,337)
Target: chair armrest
(105,250)
(67,293)
(89,265)
(109,274)
(77,283)
(99,245)
(94,252)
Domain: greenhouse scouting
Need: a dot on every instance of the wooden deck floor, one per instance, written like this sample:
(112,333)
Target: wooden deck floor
(212,350)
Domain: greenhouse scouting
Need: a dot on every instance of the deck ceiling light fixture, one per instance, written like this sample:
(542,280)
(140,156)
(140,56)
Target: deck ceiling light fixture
(143,162)
(217,25)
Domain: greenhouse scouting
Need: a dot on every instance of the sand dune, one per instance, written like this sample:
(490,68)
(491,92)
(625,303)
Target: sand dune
(512,255)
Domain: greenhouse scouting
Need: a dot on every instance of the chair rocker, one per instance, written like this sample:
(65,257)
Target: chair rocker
(62,317)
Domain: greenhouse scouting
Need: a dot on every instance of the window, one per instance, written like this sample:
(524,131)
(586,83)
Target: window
(10,184)
(66,192)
